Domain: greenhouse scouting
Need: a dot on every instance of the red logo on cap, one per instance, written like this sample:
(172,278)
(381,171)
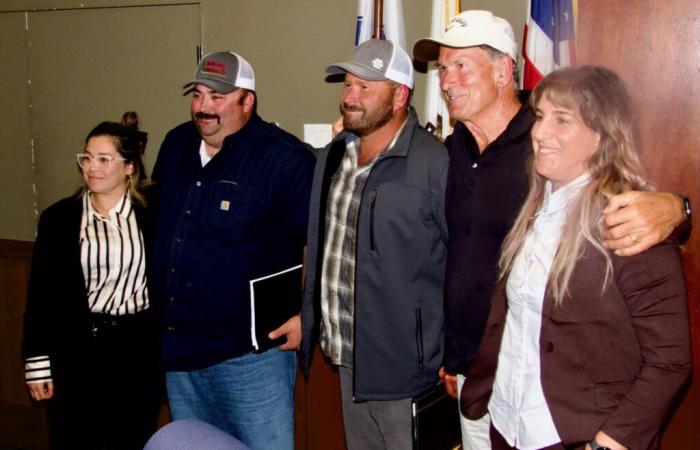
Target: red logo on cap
(214,68)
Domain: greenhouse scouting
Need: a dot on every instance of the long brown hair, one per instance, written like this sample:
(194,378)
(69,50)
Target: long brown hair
(599,97)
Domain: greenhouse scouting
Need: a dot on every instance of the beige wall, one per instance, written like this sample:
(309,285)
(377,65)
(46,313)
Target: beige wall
(16,166)
(89,61)
(65,70)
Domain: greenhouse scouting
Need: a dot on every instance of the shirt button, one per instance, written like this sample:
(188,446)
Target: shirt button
(171,328)
(178,240)
(188,212)
(475,165)
(199,183)
(172,270)
(548,347)
(172,299)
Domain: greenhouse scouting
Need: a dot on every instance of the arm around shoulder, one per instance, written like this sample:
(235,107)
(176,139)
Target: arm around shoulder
(637,220)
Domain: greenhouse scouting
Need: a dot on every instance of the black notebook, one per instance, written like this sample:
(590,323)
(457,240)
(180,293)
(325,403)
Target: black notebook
(435,420)
(274,299)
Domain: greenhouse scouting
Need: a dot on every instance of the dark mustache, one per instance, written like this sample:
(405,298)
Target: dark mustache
(350,108)
(203,115)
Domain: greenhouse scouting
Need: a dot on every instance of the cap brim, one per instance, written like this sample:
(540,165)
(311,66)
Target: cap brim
(216,86)
(360,71)
(426,50)
(429,49)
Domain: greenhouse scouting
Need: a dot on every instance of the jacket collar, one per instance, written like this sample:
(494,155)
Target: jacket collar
(403,142)
(246,130)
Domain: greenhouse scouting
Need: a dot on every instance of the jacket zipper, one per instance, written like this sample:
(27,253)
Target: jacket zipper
(372,202)
(354,296)
(419,338)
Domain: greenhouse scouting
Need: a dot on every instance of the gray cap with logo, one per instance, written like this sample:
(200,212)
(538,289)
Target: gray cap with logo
(377,60)
(223,72)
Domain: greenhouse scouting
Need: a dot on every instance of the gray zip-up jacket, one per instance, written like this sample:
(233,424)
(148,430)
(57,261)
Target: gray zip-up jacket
(400,266)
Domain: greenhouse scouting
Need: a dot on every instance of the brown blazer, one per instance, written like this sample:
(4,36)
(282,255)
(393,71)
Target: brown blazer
(616,362)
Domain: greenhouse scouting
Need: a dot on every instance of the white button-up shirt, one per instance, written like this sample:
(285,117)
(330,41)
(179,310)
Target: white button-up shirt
(518,407)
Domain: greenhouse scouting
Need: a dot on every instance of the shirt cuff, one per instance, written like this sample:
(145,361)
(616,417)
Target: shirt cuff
(37,369)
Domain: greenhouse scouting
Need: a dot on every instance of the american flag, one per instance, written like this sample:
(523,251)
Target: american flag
(549,39)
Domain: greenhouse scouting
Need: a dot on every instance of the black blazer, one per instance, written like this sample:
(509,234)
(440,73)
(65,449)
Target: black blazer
(56,318)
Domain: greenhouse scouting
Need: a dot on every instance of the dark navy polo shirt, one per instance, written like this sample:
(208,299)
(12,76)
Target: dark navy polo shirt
(241,216)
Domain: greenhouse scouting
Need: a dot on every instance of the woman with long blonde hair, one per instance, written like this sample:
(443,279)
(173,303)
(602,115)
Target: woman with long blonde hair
(583,348)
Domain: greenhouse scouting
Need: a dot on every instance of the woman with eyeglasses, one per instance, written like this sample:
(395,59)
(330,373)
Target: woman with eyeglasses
(91,338)
(583,349)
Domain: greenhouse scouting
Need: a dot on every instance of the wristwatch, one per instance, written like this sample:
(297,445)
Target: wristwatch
(596,446)
(686,204)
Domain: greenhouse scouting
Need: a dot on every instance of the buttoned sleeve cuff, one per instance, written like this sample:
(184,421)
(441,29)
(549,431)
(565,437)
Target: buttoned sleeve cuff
(37,369)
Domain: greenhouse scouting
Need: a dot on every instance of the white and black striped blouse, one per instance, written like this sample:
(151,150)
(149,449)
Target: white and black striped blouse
(113,256)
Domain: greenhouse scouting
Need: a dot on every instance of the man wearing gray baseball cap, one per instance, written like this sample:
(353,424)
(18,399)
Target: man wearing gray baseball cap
(487,184)
(376,250)
(233,207)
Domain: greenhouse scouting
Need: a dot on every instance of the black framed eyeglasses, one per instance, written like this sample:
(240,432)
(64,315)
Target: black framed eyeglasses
(85,160)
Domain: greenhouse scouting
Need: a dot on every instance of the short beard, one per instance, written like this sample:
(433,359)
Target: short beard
(369,122)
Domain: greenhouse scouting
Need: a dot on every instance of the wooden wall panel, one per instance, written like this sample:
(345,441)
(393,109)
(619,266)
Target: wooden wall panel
(319,421)
(655,47)
(22,423)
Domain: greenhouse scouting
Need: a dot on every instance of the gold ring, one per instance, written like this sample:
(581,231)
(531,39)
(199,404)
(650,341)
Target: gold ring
(633,237)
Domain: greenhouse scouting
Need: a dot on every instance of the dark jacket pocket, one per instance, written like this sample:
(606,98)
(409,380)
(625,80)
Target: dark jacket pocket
(372,204)
(419,338)
(229,207)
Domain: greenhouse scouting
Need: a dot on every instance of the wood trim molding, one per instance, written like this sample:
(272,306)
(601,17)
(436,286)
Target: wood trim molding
(19,250)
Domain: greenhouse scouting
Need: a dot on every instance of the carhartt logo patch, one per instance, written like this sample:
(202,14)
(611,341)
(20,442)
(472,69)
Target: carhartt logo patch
(225,204)
(377,63)
(214,68)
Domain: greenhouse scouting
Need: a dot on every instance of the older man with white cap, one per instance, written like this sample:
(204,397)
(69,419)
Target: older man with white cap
(233,207)
(376,250)
(487,183)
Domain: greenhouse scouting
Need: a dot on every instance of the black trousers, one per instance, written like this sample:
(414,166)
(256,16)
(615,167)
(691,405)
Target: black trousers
(108,394)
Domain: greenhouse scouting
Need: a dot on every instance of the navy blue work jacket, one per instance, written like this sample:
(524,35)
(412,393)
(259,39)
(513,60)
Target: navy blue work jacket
(240,217)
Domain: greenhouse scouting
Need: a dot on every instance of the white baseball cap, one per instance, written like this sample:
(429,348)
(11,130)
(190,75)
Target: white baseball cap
(470,29)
